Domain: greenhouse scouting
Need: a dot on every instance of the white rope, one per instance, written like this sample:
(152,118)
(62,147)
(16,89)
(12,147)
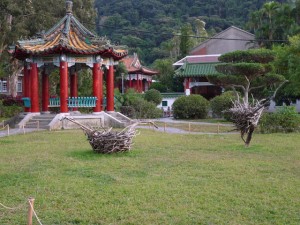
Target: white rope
(35,213)
(15,208)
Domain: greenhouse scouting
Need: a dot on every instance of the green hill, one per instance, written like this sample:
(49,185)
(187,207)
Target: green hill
(146,25)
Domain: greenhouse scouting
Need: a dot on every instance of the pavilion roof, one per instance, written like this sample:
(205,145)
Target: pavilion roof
(68,36)
(196,70)
(134,66)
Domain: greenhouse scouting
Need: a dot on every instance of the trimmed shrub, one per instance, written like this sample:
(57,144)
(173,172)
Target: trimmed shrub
(190,107)
(144,109)
(285,119)
(221,103)
(153,96)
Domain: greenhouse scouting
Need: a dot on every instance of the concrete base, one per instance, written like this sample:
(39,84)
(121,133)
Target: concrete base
(46,112)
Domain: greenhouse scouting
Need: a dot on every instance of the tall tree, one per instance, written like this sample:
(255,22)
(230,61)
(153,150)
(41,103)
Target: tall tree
(274,21)
(247,71)
(287,63)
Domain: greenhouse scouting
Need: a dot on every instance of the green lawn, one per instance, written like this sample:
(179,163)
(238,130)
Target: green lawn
(165,179)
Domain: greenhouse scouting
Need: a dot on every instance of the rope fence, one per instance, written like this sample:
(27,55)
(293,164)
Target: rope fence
(191,127)
(37,126)
(31,211)
(4,127)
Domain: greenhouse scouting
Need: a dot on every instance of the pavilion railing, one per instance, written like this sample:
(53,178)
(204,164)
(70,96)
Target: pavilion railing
(75,102)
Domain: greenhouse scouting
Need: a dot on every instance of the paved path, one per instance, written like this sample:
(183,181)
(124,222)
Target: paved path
(174,130)
(172,120)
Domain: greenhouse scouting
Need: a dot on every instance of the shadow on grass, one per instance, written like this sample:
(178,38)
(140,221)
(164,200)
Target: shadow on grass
(84,154)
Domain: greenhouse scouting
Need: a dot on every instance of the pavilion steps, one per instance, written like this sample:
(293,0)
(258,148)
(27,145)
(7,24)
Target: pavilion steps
(40,121)
(123,119)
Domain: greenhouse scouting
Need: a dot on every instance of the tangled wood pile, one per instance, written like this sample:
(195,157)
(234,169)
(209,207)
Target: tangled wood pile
(109,141)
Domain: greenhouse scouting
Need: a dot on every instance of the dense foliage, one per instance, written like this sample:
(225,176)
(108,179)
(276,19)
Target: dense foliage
(190,107)
(285,119)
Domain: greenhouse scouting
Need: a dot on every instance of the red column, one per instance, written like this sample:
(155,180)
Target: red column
(26,84)
(137,83)
(74,86)
(101,89)
(141,85)
(110,89)
(130,82)
(34,80)
(187,83)
(97,86)
(63,87)
(45,92)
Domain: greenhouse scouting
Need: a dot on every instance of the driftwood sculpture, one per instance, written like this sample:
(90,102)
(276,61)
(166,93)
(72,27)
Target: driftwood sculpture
(246,117)
(109,141)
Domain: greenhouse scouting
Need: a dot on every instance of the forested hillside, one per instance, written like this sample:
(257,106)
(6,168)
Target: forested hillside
(147,26)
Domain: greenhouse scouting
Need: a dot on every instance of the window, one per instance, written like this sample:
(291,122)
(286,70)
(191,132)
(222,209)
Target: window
(164,103)
(3,86)
(19,85)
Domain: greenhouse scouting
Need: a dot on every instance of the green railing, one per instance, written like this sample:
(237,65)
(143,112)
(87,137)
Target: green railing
(75,102)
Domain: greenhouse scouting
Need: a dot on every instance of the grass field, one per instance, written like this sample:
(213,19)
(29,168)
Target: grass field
(165,179)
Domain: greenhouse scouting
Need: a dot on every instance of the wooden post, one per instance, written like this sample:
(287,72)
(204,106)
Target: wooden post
(218,128)
(165,126)
(7,129)
(30,210)
(189,127)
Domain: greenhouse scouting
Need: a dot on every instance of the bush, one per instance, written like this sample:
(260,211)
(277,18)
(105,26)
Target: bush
(158,86)
(285,119)
(128,111)
(10,111)
(221,103)
(153,96)
(8,100)
(190,107)
(144,109)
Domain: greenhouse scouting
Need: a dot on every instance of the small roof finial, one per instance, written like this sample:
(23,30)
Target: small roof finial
(69,6)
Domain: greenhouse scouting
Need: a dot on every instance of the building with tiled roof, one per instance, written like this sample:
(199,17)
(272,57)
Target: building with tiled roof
(199,64)
(138,77)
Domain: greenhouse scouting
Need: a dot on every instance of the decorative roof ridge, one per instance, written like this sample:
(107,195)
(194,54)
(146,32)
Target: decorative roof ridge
(82,28)
(190,63)
(67,27)
(135,59)
(31,41)
(56,26)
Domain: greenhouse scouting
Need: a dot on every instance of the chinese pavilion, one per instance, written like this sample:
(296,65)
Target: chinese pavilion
(139,77)
(69,46)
